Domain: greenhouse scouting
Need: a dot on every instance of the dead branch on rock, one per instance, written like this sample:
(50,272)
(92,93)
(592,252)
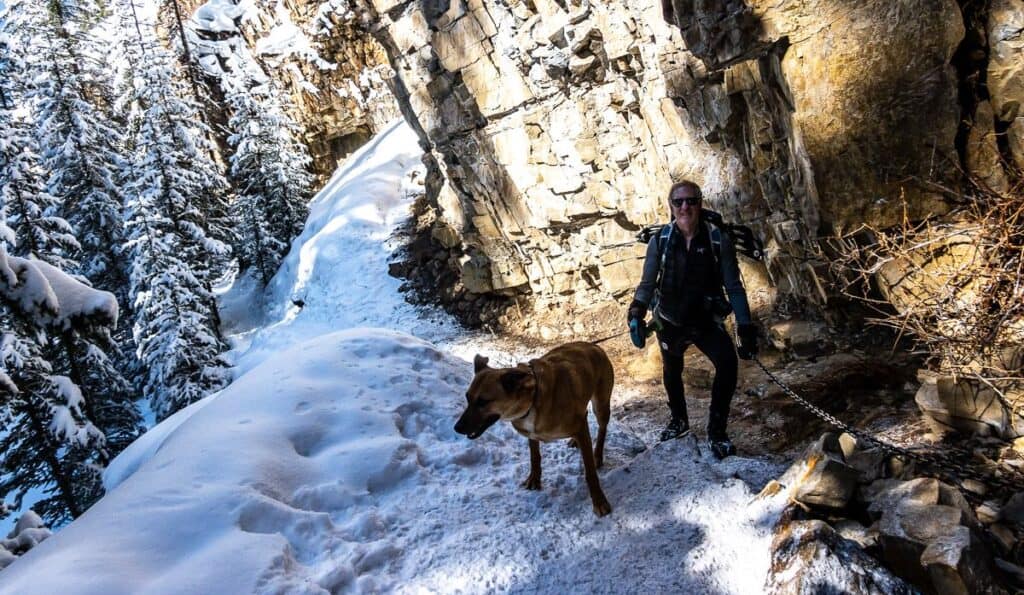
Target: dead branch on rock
(953,284)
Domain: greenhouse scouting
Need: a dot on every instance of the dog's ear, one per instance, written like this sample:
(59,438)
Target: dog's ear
(479,363)
(513,379)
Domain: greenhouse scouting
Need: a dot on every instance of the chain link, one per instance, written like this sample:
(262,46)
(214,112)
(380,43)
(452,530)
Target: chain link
(934,460)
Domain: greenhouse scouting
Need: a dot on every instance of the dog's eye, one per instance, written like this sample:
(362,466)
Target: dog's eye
(482,402)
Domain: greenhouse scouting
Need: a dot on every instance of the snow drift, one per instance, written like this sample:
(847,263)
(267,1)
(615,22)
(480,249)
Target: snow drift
(334,467)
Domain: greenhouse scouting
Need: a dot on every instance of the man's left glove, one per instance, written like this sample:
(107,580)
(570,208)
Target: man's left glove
(748,341)
(637,309)
(637,324)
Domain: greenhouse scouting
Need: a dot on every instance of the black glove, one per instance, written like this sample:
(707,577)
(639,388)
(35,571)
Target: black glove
(748,341)
(637,310)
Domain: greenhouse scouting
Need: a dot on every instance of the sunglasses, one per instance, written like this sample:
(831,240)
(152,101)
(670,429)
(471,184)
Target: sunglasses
(690,200)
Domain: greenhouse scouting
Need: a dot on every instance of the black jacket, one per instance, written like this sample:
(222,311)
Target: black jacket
(690,276)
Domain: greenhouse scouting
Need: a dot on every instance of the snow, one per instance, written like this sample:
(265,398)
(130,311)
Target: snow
(219,16)
(77,300)
(52,295)
(348,234)
(331,464)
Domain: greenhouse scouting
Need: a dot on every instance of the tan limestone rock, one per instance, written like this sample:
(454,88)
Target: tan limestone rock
(983,160)
(1005,79)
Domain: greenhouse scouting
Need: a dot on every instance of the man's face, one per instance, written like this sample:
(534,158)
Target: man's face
(685,203)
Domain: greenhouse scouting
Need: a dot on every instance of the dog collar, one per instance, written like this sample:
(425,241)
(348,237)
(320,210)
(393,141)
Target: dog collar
(536,391)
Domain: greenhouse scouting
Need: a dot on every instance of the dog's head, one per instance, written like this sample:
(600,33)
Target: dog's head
(495,393)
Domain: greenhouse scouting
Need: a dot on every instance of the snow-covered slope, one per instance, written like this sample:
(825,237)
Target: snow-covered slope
(337,267)
(331,465)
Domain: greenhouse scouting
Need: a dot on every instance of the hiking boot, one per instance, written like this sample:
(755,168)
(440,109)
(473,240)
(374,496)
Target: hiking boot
(721,447)
(677,428)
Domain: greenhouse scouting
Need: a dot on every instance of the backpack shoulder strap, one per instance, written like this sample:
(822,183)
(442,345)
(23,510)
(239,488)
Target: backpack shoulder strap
(662,239)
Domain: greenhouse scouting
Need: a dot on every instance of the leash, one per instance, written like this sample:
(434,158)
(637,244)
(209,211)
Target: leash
(938,462)
(609,338)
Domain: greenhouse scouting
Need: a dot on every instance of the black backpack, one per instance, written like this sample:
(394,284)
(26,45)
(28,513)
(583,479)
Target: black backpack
(743,237)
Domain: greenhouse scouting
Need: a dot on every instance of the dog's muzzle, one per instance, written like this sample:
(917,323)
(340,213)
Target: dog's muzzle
(461,426)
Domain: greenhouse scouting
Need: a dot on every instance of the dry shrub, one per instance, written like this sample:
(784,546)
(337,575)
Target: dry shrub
(954,284)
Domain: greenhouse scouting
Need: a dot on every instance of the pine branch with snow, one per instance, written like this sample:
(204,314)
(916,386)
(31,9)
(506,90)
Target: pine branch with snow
(51,441)
(28,532)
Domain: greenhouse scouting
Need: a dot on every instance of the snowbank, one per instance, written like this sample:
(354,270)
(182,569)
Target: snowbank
(334,466)
(281,469)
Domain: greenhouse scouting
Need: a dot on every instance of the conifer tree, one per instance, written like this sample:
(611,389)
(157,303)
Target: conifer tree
(170,240)
(174,328)
(63,394)
(44,426)
(270,170)
(30,209)
(81,144)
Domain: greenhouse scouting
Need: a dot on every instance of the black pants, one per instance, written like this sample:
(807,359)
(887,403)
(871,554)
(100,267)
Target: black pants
(716,344)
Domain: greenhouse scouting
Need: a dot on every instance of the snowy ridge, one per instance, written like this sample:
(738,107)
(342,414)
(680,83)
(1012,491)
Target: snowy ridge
(337,268)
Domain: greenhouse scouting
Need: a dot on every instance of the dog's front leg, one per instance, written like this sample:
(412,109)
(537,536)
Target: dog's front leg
(601,505)
(533,481)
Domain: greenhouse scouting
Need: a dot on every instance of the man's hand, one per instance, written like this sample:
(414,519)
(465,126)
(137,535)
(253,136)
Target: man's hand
(748,341)
(637,324)
(637,310)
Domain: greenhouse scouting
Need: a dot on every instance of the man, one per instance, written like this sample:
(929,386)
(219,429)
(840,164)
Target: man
(685,290)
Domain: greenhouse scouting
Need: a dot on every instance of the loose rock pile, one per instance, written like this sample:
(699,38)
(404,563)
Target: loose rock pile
(862,521)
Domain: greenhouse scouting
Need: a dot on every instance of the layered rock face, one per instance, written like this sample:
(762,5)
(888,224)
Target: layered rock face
(558,126)
(555,127)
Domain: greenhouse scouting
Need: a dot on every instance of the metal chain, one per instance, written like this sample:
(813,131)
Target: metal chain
(935,460)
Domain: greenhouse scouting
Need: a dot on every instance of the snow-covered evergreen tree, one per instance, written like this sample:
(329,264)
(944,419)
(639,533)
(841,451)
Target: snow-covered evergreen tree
(44,428)
(81,143)
(65,375)
(175,329)
(270,170)
(30,209)
(170,236)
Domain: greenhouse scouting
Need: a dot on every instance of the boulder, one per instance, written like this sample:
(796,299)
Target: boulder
(870,463)
(982,153)
(923,537)
(1005,80)
(820,478)
(856,532)
(803,338)
(967,406)
(809,557)
(1013,510)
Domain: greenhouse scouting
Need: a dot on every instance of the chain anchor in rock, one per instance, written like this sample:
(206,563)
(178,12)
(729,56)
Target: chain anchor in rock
(936,461)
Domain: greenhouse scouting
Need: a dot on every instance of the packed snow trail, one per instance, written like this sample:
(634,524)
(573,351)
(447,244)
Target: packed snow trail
(331,465)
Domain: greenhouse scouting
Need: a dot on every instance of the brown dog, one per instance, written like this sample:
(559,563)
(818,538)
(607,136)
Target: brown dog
(545,400)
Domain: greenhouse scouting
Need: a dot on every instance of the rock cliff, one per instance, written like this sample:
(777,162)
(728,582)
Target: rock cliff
(558,126)
(554,128)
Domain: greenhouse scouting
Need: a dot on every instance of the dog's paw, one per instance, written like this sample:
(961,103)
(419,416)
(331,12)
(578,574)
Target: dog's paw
(601,506)
(532,483)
